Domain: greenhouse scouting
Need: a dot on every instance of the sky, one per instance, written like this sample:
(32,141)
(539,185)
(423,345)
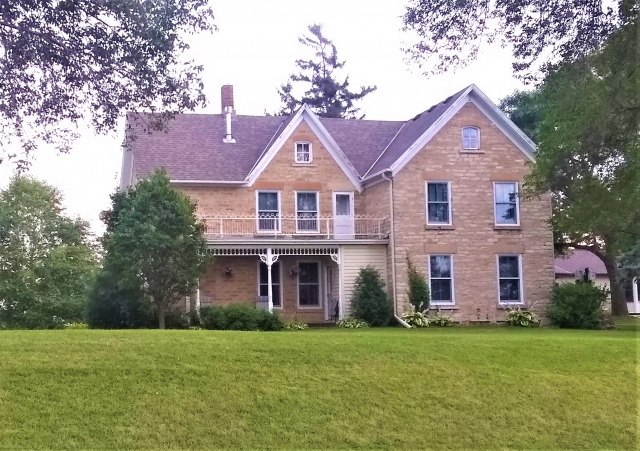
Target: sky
(254,50)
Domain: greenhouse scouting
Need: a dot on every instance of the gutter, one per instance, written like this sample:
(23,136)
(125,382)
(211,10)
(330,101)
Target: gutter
(392,241)
(207,182)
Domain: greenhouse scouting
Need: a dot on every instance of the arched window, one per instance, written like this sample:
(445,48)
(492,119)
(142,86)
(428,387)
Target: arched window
(303,152)
(470,138)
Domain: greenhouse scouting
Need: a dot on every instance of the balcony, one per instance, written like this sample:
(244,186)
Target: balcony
(302,226)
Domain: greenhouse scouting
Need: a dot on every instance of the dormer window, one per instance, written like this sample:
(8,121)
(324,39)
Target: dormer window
(470,138)
(303,152)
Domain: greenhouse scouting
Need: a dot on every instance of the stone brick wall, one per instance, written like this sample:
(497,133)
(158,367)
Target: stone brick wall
(473,240)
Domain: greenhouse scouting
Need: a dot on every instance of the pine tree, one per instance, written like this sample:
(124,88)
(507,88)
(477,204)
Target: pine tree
(327,96)
(370,301)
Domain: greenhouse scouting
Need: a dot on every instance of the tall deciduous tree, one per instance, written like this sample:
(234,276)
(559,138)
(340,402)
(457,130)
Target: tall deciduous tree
(47,260)
(325,94)
(64,61)
(154,242)
(589,152)
(523,108)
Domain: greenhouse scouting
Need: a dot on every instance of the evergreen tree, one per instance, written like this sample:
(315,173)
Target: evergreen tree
(418,291)
(327,96)
(370,302)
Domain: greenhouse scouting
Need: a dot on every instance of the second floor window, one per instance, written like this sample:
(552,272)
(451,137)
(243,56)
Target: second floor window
(470,138)
(307,213)
(505,196)
(303,152)
(268,206)
(438,203)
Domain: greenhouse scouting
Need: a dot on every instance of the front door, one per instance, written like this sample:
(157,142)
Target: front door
(343,217)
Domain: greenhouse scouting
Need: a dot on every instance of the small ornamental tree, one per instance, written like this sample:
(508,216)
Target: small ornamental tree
(155,243)
(370,301)
(418,291)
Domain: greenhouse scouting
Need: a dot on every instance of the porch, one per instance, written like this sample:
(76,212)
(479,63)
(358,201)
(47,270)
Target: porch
(310,281)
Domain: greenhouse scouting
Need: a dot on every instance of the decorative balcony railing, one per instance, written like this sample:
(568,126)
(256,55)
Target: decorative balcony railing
(303,225)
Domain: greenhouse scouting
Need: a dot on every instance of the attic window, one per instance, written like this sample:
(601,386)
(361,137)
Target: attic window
(470,138)
(303,152)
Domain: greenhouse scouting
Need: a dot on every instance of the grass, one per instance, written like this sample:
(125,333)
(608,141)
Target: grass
(456,388)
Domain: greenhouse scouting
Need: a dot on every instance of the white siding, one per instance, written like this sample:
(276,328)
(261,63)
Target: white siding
(355,257)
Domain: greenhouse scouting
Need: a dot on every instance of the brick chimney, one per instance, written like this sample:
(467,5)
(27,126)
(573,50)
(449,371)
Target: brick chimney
(226,95)
(229,112)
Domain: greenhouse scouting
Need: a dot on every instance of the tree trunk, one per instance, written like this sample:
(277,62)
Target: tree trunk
(161,316)
(618,301)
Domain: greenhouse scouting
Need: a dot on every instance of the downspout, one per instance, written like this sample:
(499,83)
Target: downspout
(393,255)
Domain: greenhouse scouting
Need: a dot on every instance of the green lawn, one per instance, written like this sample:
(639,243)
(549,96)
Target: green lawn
(457,388)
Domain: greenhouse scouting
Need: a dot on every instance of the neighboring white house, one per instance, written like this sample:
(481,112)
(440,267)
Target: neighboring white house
(580,264)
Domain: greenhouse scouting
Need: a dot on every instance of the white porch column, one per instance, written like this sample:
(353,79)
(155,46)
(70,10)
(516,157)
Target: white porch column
(269,259)
(337,259)
(636,301)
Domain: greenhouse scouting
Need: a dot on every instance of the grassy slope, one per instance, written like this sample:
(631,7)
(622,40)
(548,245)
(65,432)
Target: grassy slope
(464,388)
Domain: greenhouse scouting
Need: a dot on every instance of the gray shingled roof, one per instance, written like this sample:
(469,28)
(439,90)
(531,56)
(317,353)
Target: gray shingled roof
(192,148)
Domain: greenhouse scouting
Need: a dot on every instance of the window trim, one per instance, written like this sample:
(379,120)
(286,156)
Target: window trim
(495,204)
(453,288)
(426,197)
(317,230)
(463,138)
(280,282)
(520,302)
(279,218)
(295,152)
(320,305)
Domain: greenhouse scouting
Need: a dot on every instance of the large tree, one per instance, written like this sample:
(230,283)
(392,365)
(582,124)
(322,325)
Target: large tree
(326,94)
(63,61)
(523,108)
(47,259)
(154,242)
(452,32)
(589,152)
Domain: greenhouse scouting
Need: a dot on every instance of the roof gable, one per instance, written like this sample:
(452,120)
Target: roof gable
(418,132)
(305,114)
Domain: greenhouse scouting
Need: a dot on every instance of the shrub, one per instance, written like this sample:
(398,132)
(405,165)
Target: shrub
(415,319)
(239,317)
(522,318)
(370,302)
(441,320)
(352,323)
(577,305)
(295,325)
(418,291)
(77,326)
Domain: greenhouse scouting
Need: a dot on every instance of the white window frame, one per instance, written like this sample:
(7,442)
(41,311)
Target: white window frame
(278,220)
(280,282)
(426,197)
(318,263)
(453,290)
(495,204)
(472,127)
(520,279)
(295,152)
(317,230)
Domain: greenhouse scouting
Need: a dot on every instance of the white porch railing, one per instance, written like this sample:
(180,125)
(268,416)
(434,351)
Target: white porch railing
(304,225)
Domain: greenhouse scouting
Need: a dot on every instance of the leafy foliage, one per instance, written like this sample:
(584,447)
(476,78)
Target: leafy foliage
(370,302)
(326,95)
(62,61)
(154,242)
(577,305)
(352,323)
(523,108)
(418,291)
(239,317)
(47,262)
(522,318)
(564,30)
(415,319)
(441,320)
(295,325)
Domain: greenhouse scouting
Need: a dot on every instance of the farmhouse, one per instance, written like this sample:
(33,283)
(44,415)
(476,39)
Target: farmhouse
(295,206)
